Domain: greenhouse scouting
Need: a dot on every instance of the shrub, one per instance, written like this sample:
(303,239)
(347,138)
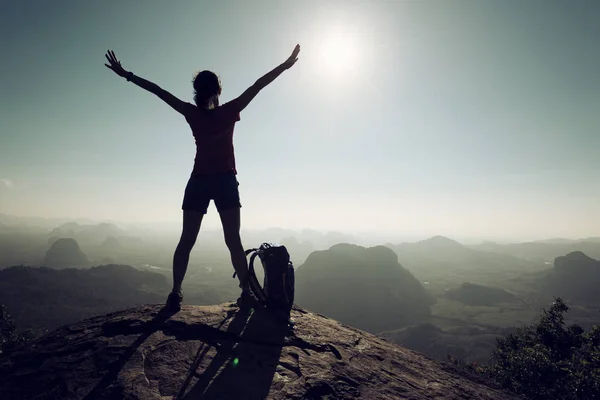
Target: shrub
(549,359)
(9,338)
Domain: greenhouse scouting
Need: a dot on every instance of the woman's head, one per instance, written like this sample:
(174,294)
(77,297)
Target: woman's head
(207,88)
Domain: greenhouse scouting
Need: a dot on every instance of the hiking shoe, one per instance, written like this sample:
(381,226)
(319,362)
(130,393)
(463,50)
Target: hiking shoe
(174,301)
(246,300)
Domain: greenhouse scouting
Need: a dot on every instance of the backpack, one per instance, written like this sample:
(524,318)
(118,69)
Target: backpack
(277,292)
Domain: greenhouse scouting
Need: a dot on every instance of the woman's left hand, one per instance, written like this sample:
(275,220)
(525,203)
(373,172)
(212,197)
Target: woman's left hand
(293,58)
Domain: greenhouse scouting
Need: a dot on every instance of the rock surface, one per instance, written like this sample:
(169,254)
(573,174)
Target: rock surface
(220,352)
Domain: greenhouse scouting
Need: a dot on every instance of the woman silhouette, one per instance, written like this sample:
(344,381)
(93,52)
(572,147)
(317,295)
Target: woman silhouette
(214,173)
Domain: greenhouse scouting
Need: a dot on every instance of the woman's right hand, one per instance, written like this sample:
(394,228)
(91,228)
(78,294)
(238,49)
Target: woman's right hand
(293,58)
(115,64)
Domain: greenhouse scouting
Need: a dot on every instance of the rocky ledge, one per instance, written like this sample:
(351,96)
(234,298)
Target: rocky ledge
(220,352)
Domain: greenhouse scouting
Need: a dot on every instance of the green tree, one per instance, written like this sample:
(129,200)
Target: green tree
(550,359)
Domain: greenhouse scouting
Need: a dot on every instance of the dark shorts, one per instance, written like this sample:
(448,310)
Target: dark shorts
(222,188)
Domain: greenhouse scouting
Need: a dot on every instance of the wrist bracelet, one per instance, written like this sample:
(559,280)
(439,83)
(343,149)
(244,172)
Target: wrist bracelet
(129,76)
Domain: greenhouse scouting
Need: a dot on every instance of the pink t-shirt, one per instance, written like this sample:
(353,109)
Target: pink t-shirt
(213,132)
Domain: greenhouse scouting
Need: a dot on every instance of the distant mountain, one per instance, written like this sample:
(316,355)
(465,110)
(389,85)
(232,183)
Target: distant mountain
(362,287)
(111,244)
(479,295)
(438,248)
(44,298)
(6,228)
(18,248)
(436,242)
(441,255)
(567,241)
(65,253)
(317,240)
(88,234)
(40,297)
(556,241)
(299,251)
(575,277)
(440,242)
(544,251)
(32,222)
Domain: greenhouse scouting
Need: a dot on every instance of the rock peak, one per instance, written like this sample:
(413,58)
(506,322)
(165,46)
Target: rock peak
(65,253)
(439,240)
(219,351)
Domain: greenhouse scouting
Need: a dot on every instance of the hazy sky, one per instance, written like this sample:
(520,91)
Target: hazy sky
(462,118)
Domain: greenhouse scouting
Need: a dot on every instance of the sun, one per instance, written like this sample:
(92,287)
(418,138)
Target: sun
(338,53)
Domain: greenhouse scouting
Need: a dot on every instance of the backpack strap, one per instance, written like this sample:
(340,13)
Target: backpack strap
(246,254)
(251,278)
(257,290)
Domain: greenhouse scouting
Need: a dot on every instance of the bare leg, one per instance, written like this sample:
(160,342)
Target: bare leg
(231,228)
(191,227)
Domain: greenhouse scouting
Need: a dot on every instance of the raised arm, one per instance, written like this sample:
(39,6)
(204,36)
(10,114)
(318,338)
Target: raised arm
(167,97)
(245,98)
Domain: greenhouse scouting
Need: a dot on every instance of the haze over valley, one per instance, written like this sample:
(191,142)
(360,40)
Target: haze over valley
(435,295)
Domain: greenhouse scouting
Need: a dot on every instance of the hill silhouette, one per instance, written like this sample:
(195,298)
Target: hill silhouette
(65,253)
(218,352)
(544,251)
(300,250)
(575,276)
(479,295)
(95,233)
(433,245)
(111,244)
(45,298)
(363,287)
(440,253)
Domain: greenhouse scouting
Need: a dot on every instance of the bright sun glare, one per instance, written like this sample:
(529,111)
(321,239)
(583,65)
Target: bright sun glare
(338,53)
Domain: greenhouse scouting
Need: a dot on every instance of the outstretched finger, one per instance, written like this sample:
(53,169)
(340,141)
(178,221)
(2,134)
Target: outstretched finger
(114,56)
(108,58)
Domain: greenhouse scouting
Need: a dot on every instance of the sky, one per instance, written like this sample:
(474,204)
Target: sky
(460,118)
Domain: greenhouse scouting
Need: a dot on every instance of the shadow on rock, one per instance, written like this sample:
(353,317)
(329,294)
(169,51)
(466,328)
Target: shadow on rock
(145,329)
(245,361)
